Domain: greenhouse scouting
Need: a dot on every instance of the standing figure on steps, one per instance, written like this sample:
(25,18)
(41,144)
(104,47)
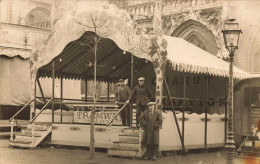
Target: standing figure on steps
(142,96)
(122,95)
(151,121)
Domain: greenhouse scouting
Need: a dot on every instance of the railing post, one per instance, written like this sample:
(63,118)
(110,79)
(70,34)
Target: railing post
(12,130)
(33,133)
(140,143)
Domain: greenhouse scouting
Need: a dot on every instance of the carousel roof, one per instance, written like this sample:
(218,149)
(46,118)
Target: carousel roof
(76,61)
(186,57)
(77,58)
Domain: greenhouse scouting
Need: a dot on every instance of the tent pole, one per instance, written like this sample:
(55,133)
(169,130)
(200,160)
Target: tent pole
(108,92)
(132,72)
(206,114)
(61,96)
(86,90)
(132,86)
(183,105)
(53,85)
(34,101)
(39,84)
(174,114)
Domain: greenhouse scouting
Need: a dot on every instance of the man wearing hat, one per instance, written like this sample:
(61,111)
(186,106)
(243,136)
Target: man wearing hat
(150,121)
(142,96)
(122,95)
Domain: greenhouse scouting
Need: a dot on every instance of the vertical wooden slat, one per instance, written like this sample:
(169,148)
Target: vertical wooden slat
(53,85)
(206,114)
(132,86)
(61,97)
(108,92)
(86,90)
(225,112)
(175,117)
(183,107)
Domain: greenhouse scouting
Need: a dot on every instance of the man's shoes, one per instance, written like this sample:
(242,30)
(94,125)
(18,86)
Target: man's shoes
(144,157)
(153,158)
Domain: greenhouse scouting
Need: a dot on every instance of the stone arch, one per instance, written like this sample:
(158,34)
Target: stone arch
(197,34)
(254,50)
(38,13)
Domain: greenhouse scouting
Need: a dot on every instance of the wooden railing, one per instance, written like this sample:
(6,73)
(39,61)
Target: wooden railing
(110,122)
(41,110)
(12,118)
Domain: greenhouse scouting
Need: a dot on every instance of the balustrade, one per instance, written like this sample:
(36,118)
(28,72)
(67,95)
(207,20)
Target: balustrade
(169,7)
(43,25)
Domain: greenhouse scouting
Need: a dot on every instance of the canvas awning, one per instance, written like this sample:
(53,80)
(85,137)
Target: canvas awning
(186,57)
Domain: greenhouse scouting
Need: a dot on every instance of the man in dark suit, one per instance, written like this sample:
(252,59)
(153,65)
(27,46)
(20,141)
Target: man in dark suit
(150,121)
(122,95)
(142,96)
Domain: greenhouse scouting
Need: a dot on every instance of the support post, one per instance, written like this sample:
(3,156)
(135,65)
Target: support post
(40,86)
(175,117)
(108,92)
(132,86)
(34,100)
(53,85)
(61,97)
(226,112)
(206,114)
(183,107)
(12,130)
(86,90)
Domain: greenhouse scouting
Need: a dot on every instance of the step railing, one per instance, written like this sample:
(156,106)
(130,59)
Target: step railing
(110,122)
(33,119)
(12,118)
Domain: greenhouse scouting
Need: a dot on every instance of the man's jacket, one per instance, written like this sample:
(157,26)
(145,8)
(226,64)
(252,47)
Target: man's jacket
(141,95)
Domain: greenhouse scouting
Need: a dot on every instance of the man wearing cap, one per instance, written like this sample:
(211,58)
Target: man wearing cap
(150,121)
(142,97)
(122,95)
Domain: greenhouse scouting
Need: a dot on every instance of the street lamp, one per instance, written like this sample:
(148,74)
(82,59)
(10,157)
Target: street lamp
(231,34)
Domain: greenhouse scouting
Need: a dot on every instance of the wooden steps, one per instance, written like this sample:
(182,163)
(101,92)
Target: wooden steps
(26,139)
(128,144)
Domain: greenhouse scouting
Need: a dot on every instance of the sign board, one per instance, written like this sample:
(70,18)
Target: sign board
(101,116)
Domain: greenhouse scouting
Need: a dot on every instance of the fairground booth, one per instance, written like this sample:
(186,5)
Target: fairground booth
(188,84)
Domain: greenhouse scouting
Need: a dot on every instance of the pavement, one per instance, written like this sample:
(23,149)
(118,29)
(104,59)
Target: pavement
(75,155)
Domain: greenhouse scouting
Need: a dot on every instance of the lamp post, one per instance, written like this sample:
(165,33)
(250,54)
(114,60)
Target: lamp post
(231,34)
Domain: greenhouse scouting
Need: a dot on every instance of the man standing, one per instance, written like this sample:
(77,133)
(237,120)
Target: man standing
(122,94)
(142,96)
(151,121)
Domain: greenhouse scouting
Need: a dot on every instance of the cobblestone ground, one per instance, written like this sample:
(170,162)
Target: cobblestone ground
(65,155)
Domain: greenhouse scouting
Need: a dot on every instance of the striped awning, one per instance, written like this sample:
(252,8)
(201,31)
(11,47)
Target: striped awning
(186,57)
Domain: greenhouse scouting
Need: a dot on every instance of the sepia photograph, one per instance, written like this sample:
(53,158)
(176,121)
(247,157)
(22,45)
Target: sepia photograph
(129,81)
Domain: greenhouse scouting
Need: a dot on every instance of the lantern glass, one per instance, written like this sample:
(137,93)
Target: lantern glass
(231,34)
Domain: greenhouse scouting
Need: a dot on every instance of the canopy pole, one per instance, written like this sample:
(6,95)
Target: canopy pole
(206,114)
(34,100)
(53,85)
(39,84)
(86,90)
(174,114)
(132,72)
(183,106)
(61,96)
(132,86)
(108,92)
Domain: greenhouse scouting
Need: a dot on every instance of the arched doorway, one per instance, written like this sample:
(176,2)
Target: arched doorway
(39,17)
(197,34)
